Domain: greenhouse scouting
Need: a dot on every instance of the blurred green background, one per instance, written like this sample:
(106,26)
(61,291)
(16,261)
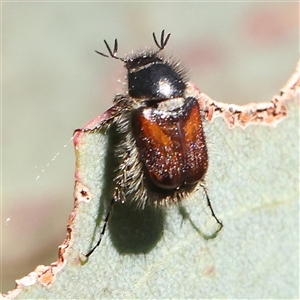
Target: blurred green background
(53,82)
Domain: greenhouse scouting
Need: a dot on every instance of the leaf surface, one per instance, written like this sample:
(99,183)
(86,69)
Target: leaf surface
(253,185)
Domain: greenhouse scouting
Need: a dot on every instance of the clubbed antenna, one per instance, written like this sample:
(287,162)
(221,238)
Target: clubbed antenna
(112,54)
(163,40)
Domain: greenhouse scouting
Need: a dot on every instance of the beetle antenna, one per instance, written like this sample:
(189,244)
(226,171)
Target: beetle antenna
(163,40)
(112,54)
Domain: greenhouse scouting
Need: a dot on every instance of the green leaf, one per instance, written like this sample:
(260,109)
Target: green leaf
(253,185)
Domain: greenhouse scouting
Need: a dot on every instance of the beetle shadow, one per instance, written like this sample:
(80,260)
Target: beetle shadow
(132,230)
(135,231)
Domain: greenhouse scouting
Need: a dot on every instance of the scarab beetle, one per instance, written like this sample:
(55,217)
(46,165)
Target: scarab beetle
(162,149)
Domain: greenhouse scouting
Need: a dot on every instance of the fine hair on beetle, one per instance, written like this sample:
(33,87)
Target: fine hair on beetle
(162,149)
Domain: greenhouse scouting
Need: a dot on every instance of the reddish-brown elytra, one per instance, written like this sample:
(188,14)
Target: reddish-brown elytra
(162,144)
(171,145)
